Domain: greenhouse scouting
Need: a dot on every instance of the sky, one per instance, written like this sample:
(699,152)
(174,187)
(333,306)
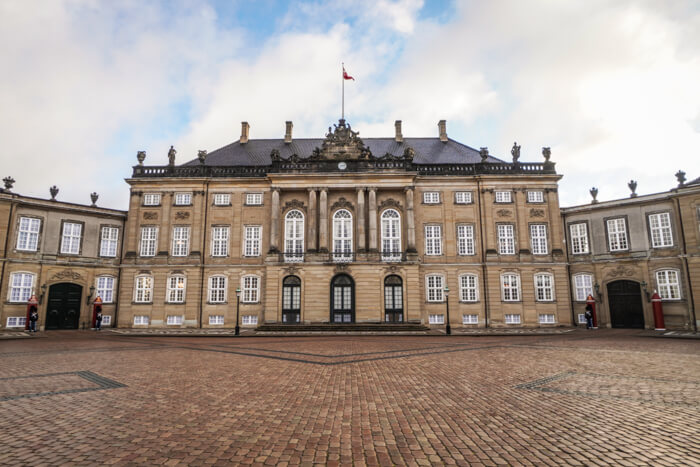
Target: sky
(613,87)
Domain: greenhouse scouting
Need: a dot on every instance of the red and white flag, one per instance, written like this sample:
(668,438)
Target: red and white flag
(346,75)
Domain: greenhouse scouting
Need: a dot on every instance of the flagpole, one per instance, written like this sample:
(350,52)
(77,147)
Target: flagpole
(342,80)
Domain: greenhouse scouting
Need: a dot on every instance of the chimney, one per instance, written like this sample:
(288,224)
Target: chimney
(245,131)
(288,132)
(399,137)
(442,125)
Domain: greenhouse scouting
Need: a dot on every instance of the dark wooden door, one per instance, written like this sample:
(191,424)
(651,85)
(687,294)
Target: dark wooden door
(625,301)
(291,300)
(63,307)
(393,300)
(342,299)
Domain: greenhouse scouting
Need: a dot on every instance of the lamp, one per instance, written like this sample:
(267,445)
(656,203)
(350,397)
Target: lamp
(644,289)
(238,301)
(43,291)
(92,291)
(597,290)
(448,329)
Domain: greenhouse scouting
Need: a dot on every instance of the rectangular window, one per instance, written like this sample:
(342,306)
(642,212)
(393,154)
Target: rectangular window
(140,320)
(465,239)
(547,319)
(436,319)
(181,241)
(183,199)
(434,286)
(16,321)
(70,241)
(249,320)
(468,291)
(21,285)
(660,226)
(544,287)
(219,241)
(253,199)
(251,289)
(510,286)
(217,289)
(512,319)
(579,238)
(105,288)
(538,239)
(433,240)
(581,318)
(216,319)
(106,320)
(503,197)
(253,234)
(617,234)
(143,289)
(151,199)
(669,284)
(470,319)
(176,289)
(109,241)
(431,197)
(506,239)
(174,320)
(463,197)
(583,285)
(222,199)
(28,235)
(149,238)
(535,197)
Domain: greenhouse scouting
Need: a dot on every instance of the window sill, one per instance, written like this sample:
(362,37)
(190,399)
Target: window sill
(217,303)
(142,303)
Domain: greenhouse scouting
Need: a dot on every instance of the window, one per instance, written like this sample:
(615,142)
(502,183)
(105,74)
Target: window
(222,199)
(219,240)
(143,290)
(434,286)
(217,289)
(70,241)
(174,320)
(141,320)
(433,240)
(28,235)
(436,319)
(253,235)
(468,291)
(342,235)
(149,238)
(108,243)
(253,199)
(470,319)
(216,319)
(544,287)
(250,320)
(660,226)
(151,199)
(547,319)
(512,319)
(431,197)
(251,289)
(465,239)
(106,320)
(581,318)
(535,197)
(583,286)
(669,284)
(617,234)
(463,197)
(105,288)
(538,239)
(391,235)
(181,241)
(579,238)
(506,239)
(294,236)
(16,321)
(510,287)
(21,285)
(503,197)
(176,289)
(183,199)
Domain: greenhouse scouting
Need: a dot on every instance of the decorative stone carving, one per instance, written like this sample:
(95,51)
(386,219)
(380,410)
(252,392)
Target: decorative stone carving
(54,191)
(536,212)
(294,204)
(8,181)
(180,215)
(409,153)
(632,185)
(342,203)
(504,213)
(515,152)
(594,193)
(275,155)
(389,203)
(620,271)
(341,144)
(393,269)
(150,215)
(680,176)
(67,274)
(484,153)
(291,270)
(141,156)
(547,153)
(202,155)
(171,156)
(93,198)
(342,267)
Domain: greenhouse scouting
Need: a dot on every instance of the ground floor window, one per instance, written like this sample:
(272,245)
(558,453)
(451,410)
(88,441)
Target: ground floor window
(249,319)
(106,320)
(470,319)
(547,319)
(581,318)
(436,319)
(512,319)
(174,319)
(216,319)
(140,319)
(16,321)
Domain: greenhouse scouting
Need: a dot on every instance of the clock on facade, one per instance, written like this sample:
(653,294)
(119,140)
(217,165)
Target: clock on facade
(342,165)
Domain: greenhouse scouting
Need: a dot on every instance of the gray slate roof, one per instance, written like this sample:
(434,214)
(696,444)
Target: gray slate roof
(256,152)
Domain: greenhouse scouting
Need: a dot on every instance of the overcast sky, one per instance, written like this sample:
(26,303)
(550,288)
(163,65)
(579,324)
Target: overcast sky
(613,87)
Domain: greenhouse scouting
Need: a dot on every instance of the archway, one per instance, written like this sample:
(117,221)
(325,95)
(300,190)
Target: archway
(291,300)
(625,302)
(342,299)
(393,299)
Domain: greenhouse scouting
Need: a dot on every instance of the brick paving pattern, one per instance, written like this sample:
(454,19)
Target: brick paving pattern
(581,398)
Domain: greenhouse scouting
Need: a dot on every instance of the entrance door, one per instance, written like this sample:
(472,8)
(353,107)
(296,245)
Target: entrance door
(625,301)
(291,300)
(63,310)
(342,299)
(393,299)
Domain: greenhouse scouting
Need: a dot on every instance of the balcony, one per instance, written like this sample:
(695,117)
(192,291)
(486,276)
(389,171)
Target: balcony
(393,256)
(343,257)
(293,257)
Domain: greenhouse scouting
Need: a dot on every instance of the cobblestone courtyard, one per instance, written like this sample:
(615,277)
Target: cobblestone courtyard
(598,398)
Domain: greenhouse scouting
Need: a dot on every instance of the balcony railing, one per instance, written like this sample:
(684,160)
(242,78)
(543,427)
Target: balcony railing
(343,257)
(393,256)
(293,257)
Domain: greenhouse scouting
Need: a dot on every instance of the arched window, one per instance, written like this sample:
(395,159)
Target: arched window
(391,235)
(143,289)
(342,235)
(294,236)
(544,287)
(583,286)
(105,288)
(176,289)
(510,287)
(668,282)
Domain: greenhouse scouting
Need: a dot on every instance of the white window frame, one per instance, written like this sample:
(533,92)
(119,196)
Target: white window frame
(660,230)
(176,288)
(470,319)
(219,240)
(174,320)
(463,197)
(222,199)
(217,290)
(105,288)
(183,199)
(249,320)
(342,235)
(253,199)
(433,240)
(547,318)
(391,235)
(16,322)
(143,289)
(294,236)
(151,199)
(21,287)
(71,236)
(28,234)
(512,318)
(465,240)
(436,318)
(617,234)
(435,288)
(544,287)
(504,197)
(669,287)
(216,320)
(506,239)
(149,240)
(141,320)
(535,196)
(468,288)
(510,287)
(579,238)
(106,320)
(250,288)
(431,197)
(582,289)
(109,241)
(252,240)
(538,239)
(181,241)
(581,318)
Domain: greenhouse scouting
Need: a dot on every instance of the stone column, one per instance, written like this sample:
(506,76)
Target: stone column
(410,222)
(274,220)
(323,221)
(312,242)
(372,219)
(360,219)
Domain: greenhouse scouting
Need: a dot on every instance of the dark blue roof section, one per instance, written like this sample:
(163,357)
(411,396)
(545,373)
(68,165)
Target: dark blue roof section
(256,152)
